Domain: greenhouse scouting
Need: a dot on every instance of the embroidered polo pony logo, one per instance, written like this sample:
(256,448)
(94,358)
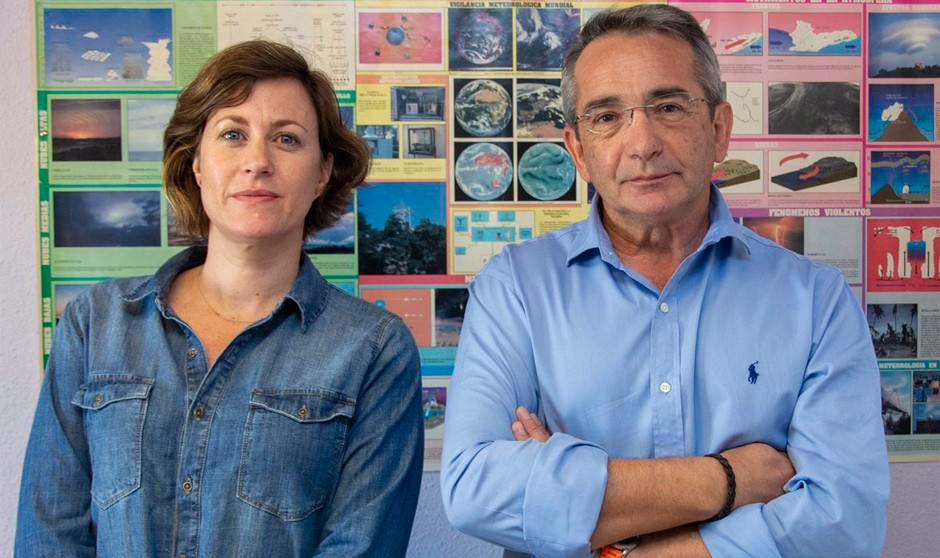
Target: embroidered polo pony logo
(752,372)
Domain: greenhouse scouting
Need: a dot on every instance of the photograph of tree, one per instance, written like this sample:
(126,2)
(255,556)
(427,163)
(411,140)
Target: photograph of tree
(402,229)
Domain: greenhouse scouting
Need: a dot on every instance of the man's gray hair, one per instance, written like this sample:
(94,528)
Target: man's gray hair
(642,20)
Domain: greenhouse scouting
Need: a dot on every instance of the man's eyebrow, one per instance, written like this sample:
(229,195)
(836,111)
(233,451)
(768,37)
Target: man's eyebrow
(615,100)
(609,100)
(673,90)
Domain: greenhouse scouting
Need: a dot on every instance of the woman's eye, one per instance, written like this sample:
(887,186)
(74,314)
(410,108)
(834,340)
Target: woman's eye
(287,139)
(231,135)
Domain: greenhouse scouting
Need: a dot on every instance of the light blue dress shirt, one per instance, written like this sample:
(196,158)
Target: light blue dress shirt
(304,438)
(748,342)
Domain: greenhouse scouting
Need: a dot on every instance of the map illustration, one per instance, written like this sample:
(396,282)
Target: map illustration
(814,34)
(735,33)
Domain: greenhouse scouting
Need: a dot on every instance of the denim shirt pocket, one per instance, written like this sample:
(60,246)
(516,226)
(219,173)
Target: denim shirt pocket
(115,407)
(292,450)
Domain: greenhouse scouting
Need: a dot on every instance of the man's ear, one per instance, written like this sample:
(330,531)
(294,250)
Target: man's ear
(724,119)
(576,149)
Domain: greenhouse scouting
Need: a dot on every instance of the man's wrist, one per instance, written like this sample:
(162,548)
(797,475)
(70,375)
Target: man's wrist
(732,486)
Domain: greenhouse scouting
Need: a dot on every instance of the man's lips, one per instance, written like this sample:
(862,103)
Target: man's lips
(647,178)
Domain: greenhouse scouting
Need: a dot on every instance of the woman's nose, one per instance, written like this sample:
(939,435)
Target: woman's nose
(257,158)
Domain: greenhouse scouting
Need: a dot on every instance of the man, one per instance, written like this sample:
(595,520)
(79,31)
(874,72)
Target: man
(671,354)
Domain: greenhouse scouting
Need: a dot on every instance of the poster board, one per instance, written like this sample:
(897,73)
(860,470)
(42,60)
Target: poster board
(834,152)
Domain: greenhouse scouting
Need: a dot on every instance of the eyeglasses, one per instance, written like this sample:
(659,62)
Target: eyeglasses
(667,110)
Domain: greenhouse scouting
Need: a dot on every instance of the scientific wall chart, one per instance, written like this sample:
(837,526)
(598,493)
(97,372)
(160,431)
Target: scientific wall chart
(834,152)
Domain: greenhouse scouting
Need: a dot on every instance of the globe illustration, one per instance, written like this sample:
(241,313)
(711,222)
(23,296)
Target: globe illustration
(483,171)
(481,38)
(546,171)
(395,36)
(539,111)
(483,107)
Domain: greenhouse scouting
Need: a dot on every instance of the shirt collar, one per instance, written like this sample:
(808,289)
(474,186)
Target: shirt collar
(309,291)
(593,236)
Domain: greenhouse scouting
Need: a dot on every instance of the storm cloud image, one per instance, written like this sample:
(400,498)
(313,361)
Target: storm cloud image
(904,45)
(813,108)
(106,218)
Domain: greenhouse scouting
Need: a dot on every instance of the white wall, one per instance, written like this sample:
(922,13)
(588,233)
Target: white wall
(912,529)
(19,285)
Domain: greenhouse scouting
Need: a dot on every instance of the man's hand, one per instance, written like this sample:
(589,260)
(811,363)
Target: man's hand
(760,472)
(528,426)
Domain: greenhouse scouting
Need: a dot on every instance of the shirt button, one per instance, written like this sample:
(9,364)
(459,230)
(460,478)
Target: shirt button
(665,387)
(302,411)
(198,412)
(191,353)
(98,399)
(187,486)
(663,307)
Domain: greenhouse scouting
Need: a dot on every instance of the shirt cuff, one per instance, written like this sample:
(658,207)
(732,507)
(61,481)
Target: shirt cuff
(743,533)
(563,497)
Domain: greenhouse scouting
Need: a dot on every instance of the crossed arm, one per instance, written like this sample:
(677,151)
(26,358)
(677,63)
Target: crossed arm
(761,473)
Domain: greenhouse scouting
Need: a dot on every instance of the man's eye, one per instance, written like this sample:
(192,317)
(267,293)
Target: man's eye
(607,117)
(669,108)
(231,135)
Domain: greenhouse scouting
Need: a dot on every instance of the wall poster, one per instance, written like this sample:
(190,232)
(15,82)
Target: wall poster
(834,152)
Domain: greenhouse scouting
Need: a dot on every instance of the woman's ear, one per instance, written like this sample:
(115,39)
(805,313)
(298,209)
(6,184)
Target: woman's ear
(326,170)
(196,171)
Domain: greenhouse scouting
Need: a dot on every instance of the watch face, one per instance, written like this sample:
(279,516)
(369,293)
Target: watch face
(627,544)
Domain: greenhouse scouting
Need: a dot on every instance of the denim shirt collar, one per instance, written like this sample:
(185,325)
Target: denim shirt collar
(309,291)
(592,236)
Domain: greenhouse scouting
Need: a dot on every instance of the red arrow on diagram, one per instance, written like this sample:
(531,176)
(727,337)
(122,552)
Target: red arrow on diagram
(811,173)
(792,157)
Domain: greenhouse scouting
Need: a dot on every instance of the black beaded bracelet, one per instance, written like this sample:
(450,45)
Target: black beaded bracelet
(732,486)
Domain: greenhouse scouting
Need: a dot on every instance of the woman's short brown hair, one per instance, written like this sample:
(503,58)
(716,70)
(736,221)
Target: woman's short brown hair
(227,80)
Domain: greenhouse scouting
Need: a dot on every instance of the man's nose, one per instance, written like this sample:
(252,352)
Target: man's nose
(641,135)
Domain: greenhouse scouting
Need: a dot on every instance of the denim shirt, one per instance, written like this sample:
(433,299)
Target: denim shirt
(304,437)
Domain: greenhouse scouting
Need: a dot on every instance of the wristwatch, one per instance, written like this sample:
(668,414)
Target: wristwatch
(619,549)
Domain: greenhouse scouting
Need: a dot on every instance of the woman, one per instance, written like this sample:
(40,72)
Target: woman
(234,403)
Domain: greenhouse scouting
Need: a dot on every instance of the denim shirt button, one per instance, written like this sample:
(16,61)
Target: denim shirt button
(302,411)
(98,399)
(191,352)
(198,412)
(187,485)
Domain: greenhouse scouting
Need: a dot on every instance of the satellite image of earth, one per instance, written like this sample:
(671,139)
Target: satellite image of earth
(483,171)
(483,108)
(542,35)
(546,171)
(539,113)
(481,38)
